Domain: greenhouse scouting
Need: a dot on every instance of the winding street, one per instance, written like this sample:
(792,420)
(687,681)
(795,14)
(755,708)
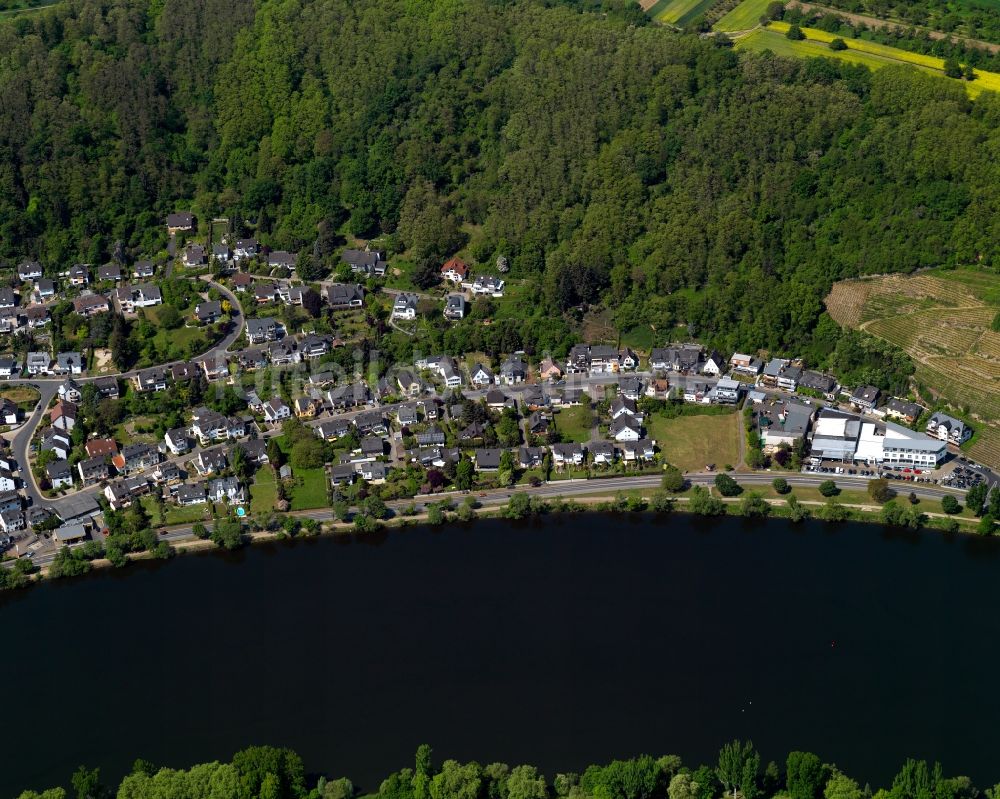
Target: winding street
(48,387)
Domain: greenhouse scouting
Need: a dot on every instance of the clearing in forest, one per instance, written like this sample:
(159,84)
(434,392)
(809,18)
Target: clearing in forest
(943,319)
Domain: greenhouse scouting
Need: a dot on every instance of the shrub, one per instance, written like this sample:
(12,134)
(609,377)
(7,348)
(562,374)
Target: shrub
(838,44)
(880,491)
(950,505)
(795,33)
(828,488)
(727,486)
(780,485)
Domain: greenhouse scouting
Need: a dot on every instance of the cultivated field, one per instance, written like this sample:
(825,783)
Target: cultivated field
(678,12)
(942,319)
(744,17)
(859,51)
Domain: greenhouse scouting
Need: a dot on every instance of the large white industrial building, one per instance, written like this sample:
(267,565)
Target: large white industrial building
(852,439)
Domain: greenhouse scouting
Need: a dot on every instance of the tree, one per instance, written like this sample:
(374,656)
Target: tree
(950,505)
(754,505)
(797,512)
(465,474)
(975,498)
(986,525)
(308,268)
(840,786)
(435,515)
(880,491)
(952,68)
(775,10)
(673,479)
(912,498)
(199,530)
(704,504)
(828,488)
(833,511)
(661,501)
(780,485)
(518,506)
(228,534)
(374,507)
(805,775)
(87,784)
(727,486)
(838,44)
(738,767)
(683,786)
(795,33)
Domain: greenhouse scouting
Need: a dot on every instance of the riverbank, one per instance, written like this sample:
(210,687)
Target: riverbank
(802,502)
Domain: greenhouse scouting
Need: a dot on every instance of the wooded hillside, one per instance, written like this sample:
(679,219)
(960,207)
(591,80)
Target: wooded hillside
(609,160)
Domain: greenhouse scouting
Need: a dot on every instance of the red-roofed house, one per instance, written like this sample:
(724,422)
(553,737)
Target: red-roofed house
(455,270)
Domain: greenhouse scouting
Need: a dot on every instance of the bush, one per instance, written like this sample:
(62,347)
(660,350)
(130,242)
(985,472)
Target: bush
(986,525)
(780,484)
(704,504)
(727,486)
(673,479)
(828,488)
(838,44)
(797,512)
(753,505)
(880,491)
(795,33)
(950,505)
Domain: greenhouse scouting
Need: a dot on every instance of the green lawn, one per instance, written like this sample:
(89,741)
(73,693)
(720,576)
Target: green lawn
(692,442)
(744,17)
(308,489)
(264,491)
(575,423)
(182,515)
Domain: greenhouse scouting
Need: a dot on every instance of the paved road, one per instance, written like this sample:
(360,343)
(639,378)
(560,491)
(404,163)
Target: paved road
(569,489)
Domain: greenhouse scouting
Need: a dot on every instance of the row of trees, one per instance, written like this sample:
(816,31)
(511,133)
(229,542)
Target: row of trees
(264,772)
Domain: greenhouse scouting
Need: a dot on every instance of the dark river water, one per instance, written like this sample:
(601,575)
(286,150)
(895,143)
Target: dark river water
(561,643)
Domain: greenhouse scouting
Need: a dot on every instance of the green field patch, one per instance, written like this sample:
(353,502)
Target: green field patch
(575,423)
(264,491)
(308,489)
(744,17)
(693,442)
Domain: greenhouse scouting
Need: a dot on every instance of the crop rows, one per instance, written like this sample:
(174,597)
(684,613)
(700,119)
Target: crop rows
(979,393)
(989,345)
(986,448)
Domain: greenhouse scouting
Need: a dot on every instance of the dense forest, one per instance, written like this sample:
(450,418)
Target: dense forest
(662,174)
(977,19)
(263,772)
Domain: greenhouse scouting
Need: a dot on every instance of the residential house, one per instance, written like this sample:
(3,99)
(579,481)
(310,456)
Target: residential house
(8,299)
(29,270)
(241,281)
(59,473)
(261,330)
(93,470)
(948,428)
(37,316)
(697,392)
(455,306)
(373,471)
(255,450)
(333,429)
(194,256)
(177,441)
(107,387)
(373,446)
(769,375)
(784,423)
(91,304)
(69,390)
(191,494)
(9,412)
(79,275)
(207,425)
(7,480)
(9,366)
(136,458)
(284,352)
(215,366)
(208,312)
(281,259)
(496,399)
(143,269)
(343,474)
(530,457)
(56,441)
(816,381)
(567,454)
(292,295)
(676,358)
(11,320)
(642,450)
(252,359)
(454,270)
(623,406)
(513,370)
(371,422)
(628,360)
(658,388)
(909,412)
(314,346)
(63,415)
(45,289)
(602,452)
(788,379)
(69,363)
(181,222)
(221,254)
(727,391)
(487,459)
(210,461)
(625,428)
(432,436)
(549,369)
(226,489)
(345,295)
(12,520)
(538,424)
(865,398)
(154,379)
(111,272)
(275,410)
(246,249)
(305,407)
(266,292)
(488,285)
(101,448)
(406,415)
(603,359)
(405,306)
(367,261)
(630,387)
(481,376)
(715,364)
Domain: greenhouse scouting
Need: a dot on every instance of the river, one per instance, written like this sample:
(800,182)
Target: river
(559,643)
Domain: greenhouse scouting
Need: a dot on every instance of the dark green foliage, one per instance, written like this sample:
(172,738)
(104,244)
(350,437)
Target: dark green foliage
(950,505)
(952,68)
(727,486)
(975,498)
(805,775)
(828,488)
(838,44)
(795,33)
(880,490)
(780,484)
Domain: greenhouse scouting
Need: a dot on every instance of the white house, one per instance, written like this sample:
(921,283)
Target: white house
(405,306)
